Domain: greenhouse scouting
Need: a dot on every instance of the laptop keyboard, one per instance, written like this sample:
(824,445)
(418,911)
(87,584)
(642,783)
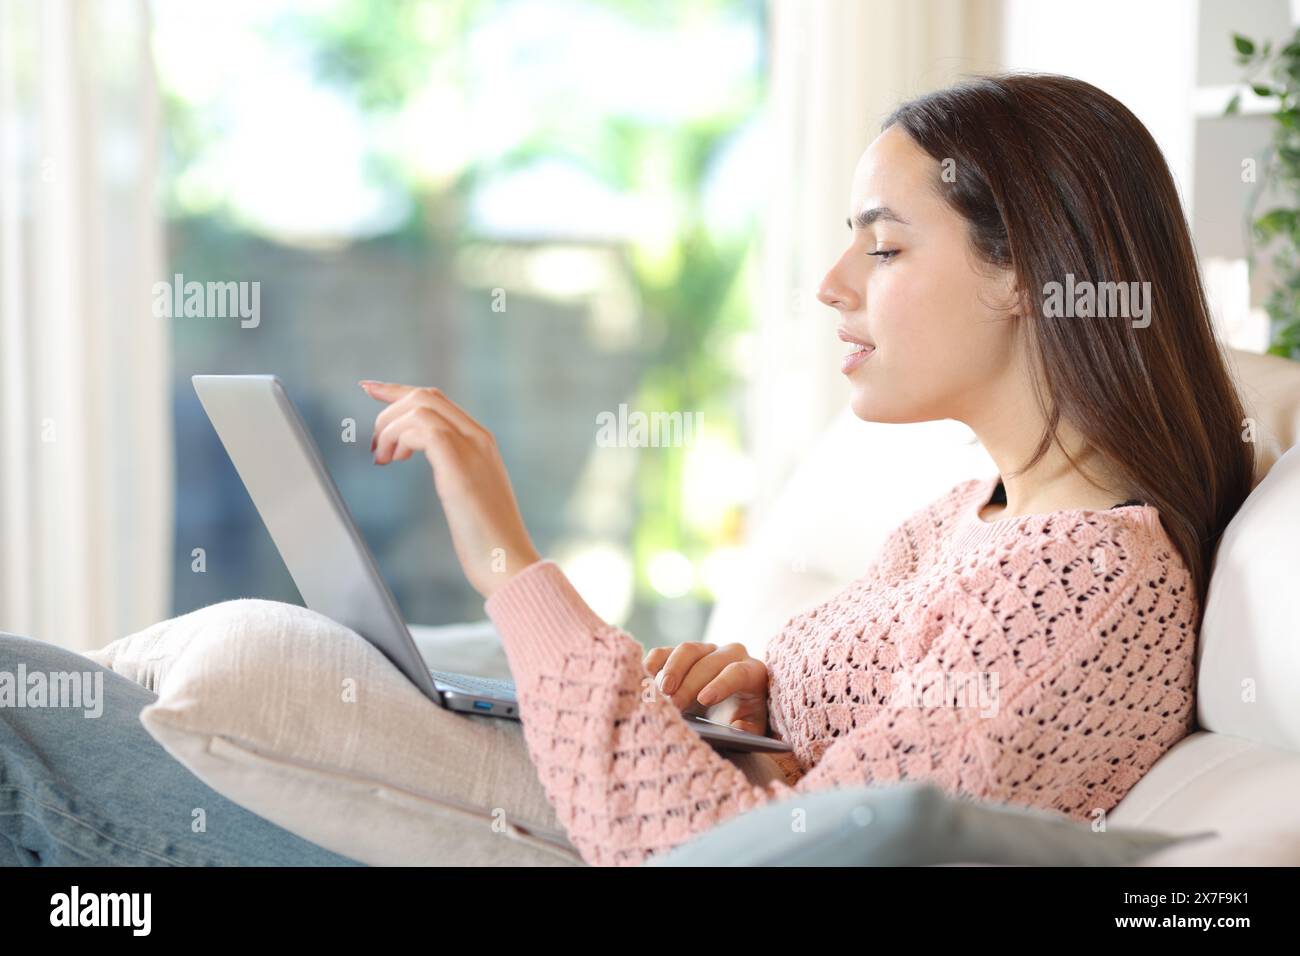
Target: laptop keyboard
(487,686)
(504,689)
(492,687)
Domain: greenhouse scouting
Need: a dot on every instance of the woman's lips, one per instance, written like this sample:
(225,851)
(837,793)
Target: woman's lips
(856,358)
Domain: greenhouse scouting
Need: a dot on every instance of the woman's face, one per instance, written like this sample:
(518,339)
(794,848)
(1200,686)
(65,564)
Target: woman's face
(940,320)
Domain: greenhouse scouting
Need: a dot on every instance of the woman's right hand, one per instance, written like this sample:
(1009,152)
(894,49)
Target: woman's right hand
(720,683)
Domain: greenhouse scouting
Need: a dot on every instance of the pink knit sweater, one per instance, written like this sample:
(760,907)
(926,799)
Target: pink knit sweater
(1042,660)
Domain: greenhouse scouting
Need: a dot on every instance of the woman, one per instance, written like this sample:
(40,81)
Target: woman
(1028,638)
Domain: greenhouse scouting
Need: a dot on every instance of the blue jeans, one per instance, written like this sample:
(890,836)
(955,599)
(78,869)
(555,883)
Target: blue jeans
(78,790)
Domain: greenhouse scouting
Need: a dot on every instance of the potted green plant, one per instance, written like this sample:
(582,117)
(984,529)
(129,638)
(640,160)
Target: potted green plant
(1275,75)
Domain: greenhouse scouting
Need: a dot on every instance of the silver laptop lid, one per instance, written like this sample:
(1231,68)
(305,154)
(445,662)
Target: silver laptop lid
(301,507)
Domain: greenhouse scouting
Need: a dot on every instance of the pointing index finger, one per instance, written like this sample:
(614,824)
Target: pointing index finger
(384,391)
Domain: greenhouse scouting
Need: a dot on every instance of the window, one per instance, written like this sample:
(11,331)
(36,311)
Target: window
(546,208)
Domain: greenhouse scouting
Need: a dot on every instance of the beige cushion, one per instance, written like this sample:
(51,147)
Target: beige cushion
(1269,387)
(300,720)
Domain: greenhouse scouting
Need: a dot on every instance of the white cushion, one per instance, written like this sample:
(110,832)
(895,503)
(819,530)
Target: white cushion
(146,656)
(1217,782)
(1249,652)
(300,720)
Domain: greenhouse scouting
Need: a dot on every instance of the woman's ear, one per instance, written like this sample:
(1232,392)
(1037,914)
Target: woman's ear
(1012,298)
(1027,304)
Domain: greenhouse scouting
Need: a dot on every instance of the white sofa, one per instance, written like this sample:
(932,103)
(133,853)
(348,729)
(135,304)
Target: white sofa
(1239,773)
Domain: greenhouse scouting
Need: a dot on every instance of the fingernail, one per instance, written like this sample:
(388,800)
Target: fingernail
(706,697)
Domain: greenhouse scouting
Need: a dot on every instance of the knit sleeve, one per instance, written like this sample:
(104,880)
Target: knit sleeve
(625,773)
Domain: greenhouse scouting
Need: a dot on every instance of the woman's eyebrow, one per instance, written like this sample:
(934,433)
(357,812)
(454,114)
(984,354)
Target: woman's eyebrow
(868,216)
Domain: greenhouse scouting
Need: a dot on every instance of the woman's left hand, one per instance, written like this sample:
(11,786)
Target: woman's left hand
(487,529)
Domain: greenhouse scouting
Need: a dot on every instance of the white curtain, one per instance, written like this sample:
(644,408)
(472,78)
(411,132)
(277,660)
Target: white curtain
(838,67)
(85,456)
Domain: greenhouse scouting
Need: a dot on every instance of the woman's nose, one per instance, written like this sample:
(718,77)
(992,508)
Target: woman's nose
(836,294)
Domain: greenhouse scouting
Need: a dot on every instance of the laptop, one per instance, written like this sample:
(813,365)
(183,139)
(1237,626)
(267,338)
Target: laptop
(282,469)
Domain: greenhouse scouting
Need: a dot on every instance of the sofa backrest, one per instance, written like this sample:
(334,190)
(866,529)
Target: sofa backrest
(1270,389)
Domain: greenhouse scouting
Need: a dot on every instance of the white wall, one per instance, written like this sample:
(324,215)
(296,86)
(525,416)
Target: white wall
(1141,53)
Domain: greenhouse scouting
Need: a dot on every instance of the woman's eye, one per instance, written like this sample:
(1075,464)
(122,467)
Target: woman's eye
(885,254)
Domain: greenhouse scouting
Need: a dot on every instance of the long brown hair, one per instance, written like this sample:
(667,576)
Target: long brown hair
(1054,177)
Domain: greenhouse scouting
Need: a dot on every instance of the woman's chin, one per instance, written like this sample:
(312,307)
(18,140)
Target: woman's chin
(866,411)
(869,408)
